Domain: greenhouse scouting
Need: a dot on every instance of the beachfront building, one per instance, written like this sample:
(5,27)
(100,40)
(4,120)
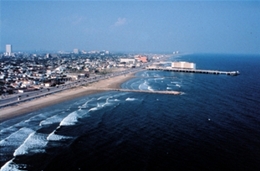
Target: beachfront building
(127,60)
(184,65)
(141,58)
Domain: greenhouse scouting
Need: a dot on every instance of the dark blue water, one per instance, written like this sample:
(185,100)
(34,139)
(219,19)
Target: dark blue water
(213,125)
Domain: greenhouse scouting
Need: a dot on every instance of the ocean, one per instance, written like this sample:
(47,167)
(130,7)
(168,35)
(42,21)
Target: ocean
(213,125)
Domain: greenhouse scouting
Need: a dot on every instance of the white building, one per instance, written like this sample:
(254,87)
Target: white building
(127,60)
(76,51)
(8,49)
(184,65)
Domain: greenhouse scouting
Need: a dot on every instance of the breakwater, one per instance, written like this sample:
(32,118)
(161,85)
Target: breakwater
(138,91)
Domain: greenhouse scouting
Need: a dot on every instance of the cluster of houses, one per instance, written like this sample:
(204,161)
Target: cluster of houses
(31,72)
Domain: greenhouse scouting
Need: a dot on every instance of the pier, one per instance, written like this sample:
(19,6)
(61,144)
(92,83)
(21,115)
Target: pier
(216,72)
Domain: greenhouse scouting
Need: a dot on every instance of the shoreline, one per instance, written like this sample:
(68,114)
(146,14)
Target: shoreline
(36,104)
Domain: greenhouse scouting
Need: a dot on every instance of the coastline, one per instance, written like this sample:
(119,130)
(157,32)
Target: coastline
(36,104)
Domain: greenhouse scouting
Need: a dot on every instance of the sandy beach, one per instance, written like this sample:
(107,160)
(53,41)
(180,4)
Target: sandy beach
(36,104)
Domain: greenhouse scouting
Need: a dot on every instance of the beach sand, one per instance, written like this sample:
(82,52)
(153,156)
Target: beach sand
(36,104)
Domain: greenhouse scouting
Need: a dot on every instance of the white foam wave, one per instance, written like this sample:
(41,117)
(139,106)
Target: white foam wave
(16,138)
(103,97)
(99,105)
(178,85)
(133,85)
(168,88)
(143,86)
(51,120)
(145,74)
(158,79)
(130,99)
(31,122)
(71,119)
(174,84)
(11,166)
(34,143)
(150,88)
(93,109)
(55,137)
(108,102)
(156,75)
(5,132)
(36,118)
(85,105)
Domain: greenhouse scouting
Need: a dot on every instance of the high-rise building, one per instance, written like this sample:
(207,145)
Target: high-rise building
(8,49)
(76,51)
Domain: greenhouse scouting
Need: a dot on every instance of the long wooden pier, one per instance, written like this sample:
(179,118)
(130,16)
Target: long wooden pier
(232,73)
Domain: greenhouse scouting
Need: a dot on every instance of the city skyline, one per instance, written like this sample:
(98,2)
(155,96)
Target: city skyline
(147,26)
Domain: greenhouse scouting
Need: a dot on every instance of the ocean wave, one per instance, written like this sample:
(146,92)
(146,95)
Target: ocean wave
(145,74)
(11,166)
(32,122)
(104,97)
(150,88)
(156,79)
(71,119)
(170,85)
(177,84)
(101,105)
(34,143)
(134,85)
(54,119)
(85,105)
(55,137)
(93,109)
(36,118)
(108,101)
(16,138)
(5,132)
(143,86)
(130,99)
(157,75)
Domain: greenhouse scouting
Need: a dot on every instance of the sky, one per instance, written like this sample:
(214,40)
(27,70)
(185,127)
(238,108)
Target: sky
(131,26)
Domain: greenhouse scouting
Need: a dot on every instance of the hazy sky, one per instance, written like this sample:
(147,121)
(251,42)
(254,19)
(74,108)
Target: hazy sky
(147,26)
